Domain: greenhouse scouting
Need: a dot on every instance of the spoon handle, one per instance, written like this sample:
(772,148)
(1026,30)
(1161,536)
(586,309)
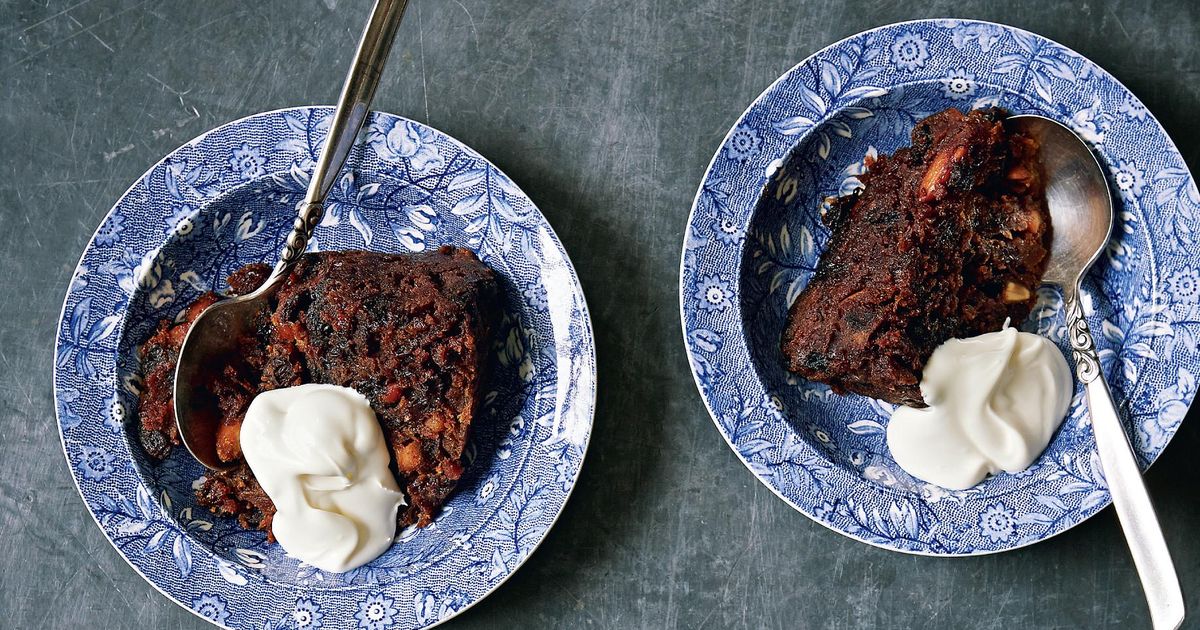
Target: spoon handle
(352,109)
(1129,496)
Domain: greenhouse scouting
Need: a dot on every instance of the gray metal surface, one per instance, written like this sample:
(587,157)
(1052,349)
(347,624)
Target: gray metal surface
(606,113)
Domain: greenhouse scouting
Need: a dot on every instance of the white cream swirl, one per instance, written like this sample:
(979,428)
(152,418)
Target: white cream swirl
(994,403)
(319,453)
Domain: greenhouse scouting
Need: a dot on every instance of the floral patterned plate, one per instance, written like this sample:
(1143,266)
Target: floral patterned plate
(227,199)
(755,235)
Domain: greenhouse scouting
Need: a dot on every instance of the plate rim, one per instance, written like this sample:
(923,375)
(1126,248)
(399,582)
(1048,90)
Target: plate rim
(692,214)
(586,319)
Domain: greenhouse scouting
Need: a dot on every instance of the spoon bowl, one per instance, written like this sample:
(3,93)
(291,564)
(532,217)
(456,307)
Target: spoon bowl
(213,338)
(1078,197)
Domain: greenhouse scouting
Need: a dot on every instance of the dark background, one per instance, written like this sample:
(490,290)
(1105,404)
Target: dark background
(606,113)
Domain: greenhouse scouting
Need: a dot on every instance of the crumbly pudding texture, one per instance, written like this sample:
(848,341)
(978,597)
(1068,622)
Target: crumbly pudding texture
(410,332)
(948,238)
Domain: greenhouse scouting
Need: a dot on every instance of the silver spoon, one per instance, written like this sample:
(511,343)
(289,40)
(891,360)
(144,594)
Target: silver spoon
(1082,215)
(214,335)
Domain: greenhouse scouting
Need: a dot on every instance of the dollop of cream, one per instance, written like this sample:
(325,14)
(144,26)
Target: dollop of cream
(319,453)
(994,403)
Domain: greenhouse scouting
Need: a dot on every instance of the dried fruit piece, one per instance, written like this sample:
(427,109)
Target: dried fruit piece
(1014,292)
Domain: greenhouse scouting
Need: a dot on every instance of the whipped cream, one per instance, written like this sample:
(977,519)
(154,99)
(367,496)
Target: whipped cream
(994,403)
(319,453)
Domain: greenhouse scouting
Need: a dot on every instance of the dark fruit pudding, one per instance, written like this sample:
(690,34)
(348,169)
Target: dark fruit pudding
(949,237)
(410,332)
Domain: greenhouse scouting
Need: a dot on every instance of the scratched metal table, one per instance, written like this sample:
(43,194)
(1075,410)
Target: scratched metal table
(607,114)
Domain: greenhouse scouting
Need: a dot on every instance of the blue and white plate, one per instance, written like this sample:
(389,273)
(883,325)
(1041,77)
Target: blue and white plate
(227,199)
(755,235)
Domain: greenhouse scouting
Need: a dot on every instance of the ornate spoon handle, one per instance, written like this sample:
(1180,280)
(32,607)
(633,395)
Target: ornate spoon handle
(352,109)
(1129,496)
